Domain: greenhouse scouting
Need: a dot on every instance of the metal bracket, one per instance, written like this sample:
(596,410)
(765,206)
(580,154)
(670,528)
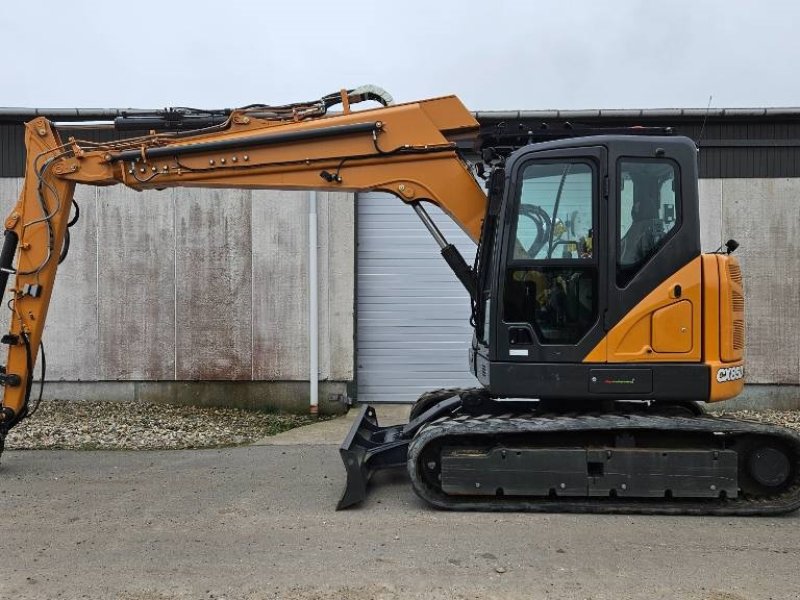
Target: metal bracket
(10,339)
(10,379)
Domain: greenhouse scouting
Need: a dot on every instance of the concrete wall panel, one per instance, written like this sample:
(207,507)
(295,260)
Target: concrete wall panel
(9,193)
(280,284)
(710,214)
(230,266)
(763,215)
(71,339)
(213,284)
(340,260)
(136,277)
(324,280)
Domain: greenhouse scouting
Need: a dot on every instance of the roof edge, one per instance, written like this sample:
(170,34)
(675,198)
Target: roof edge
(636,113)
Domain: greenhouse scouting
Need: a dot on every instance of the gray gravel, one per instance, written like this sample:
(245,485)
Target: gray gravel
(787,418)
(61,424)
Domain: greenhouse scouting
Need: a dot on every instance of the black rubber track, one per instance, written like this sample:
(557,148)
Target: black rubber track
(492,426)
(428,399)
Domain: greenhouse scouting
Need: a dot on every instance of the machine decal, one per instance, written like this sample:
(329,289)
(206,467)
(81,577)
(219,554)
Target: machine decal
(630,381)
(730,373)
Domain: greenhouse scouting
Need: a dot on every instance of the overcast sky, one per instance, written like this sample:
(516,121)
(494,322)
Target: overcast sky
(493,54)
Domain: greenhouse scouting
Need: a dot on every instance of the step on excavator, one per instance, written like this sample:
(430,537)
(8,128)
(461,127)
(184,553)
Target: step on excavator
(600,328)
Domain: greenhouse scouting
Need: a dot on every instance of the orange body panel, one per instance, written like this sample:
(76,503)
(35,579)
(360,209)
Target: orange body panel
(731,308)
(705,324)
(724,326)
(672,328)
(663,327)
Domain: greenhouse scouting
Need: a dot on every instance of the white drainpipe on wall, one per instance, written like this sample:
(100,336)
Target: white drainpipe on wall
(313,300)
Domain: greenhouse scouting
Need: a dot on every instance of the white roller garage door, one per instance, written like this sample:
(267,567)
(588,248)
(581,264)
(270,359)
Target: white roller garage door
(413,314)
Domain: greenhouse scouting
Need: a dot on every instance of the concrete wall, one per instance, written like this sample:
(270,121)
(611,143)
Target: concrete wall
(196,285)
(763,215)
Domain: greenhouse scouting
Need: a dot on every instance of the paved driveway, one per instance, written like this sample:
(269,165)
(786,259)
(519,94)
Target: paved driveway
(258,522)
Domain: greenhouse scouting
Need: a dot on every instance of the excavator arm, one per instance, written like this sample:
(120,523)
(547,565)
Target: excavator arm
(408,150)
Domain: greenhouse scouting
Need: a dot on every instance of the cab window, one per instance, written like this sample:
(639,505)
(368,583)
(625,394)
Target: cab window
(551,280)
(554,214)
(648,212)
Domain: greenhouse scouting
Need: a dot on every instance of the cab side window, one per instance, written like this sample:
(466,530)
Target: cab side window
(649,210)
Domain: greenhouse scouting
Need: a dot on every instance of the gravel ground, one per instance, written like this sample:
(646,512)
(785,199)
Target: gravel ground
(788,418)
(61,424)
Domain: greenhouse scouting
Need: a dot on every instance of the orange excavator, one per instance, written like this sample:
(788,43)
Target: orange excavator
(600,328)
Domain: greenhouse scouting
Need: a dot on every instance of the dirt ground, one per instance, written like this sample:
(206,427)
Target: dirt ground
(258,522)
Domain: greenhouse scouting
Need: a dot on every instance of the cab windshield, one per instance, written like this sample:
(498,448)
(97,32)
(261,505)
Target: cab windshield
(554,218)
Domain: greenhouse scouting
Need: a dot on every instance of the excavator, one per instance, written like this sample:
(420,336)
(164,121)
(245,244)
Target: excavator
(600,328)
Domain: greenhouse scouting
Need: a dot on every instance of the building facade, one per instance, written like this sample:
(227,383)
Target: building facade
(201,295)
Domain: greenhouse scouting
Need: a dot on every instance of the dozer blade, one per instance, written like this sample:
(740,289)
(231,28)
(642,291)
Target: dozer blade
(366,449)
(369,447)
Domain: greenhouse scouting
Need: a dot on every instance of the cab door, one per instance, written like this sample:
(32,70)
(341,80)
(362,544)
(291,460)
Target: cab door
(552,270)
(653,217)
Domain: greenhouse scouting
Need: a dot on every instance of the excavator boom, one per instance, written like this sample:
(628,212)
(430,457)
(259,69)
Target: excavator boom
(407,150)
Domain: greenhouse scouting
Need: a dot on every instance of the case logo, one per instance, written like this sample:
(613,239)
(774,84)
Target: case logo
(725,374)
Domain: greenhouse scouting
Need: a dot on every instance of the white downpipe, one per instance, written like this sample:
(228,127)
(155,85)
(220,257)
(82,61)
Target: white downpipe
(313,305)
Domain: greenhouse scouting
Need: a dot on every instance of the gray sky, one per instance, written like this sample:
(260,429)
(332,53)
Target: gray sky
(493,54)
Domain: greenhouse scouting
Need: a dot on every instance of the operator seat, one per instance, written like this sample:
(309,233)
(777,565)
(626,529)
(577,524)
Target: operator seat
(644,234)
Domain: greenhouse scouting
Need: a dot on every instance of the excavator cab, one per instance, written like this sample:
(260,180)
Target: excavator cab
(587,228)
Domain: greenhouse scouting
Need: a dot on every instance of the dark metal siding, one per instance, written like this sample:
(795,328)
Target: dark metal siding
(762,147)
(12,150)
(747,150)
(758,146)
(12,144)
